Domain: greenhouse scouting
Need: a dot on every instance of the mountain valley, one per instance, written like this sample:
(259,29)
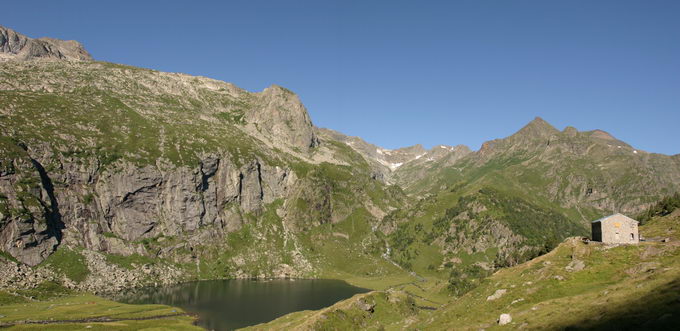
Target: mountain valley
(114,177)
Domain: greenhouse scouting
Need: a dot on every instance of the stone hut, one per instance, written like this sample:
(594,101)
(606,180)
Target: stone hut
(616,229)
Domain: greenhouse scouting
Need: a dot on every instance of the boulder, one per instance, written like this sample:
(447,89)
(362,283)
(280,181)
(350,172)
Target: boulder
(575,265)
(504,319)
(496,295)
(365,306)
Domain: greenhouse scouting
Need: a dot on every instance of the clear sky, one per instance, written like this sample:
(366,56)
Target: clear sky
(399,73)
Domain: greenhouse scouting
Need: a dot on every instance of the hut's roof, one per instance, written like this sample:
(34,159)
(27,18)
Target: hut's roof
(615,215)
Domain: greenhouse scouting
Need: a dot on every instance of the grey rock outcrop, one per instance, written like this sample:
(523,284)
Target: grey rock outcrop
(30,222)
(147,202)
(496,295)
(110,209)
(504,319)
(575,265)
(16,46)
(280,116)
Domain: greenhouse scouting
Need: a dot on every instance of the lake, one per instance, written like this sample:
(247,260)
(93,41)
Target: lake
(236,303)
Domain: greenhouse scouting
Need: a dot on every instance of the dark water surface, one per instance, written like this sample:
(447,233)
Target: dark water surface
(231,304)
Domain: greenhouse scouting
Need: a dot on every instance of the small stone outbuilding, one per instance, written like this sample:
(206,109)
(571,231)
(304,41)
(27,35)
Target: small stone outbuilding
(616,229)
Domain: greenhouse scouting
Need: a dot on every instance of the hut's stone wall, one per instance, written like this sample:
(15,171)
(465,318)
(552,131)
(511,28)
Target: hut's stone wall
(616,229)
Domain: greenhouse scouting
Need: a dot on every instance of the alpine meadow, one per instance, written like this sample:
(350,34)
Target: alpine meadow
(116,178)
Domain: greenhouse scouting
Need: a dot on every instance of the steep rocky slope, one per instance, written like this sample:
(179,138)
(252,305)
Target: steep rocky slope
(107,159)
(16,46)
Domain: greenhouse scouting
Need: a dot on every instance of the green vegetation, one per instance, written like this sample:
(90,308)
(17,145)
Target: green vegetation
(233,117)
(44,291)
(68,262)
(453,234)
(370,311)
(7,256)
(89,311)
(465,279)
(8,298)
(512,229)
(544,293)
(88,198)
(109,235)
(129,262)
(662,208)
(113,120)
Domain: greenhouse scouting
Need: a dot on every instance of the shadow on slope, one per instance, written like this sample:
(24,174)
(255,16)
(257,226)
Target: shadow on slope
(658,310)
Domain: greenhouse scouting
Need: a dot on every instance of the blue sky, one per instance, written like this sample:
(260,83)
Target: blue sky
(399,73)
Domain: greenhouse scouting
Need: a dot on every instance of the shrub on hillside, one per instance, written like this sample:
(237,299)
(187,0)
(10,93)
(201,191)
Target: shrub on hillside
(662,208)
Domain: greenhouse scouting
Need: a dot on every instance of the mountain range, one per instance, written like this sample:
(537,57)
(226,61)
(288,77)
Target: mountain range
(113,176)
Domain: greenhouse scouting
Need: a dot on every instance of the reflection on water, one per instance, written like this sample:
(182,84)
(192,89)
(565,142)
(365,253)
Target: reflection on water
(230,304)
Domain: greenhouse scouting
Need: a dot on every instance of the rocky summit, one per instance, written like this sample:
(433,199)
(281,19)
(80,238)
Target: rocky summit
(16,46)
(113,177)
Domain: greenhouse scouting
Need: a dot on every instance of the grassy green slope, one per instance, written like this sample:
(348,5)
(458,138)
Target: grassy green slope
(585,174)
(488,229)
(575,286)
(109,111)
(624,287)
(55,308)
(540,184)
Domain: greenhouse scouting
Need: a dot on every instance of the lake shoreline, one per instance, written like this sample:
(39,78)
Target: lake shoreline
(237,303)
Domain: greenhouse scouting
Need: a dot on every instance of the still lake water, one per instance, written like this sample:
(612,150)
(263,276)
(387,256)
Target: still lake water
(236,303)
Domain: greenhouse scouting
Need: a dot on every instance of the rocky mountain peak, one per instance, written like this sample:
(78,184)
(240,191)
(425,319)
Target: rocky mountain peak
(16,46)
(277,90)
(538,127)
(280,117)
(602,135)
(408,152)
(570,131)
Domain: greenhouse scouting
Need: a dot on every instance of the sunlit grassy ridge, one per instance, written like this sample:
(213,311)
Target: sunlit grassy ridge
(110,112)
(619,287)
(93,313)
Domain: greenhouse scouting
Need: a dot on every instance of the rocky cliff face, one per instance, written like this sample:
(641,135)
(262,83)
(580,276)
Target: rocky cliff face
(126,202)
(282,118)
(15,46)
(30,220)
(98,163)
(126,161)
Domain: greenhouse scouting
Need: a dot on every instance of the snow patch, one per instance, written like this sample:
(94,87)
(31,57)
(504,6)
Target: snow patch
(395,165)
(392,166)
(419,156)
(634,152)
